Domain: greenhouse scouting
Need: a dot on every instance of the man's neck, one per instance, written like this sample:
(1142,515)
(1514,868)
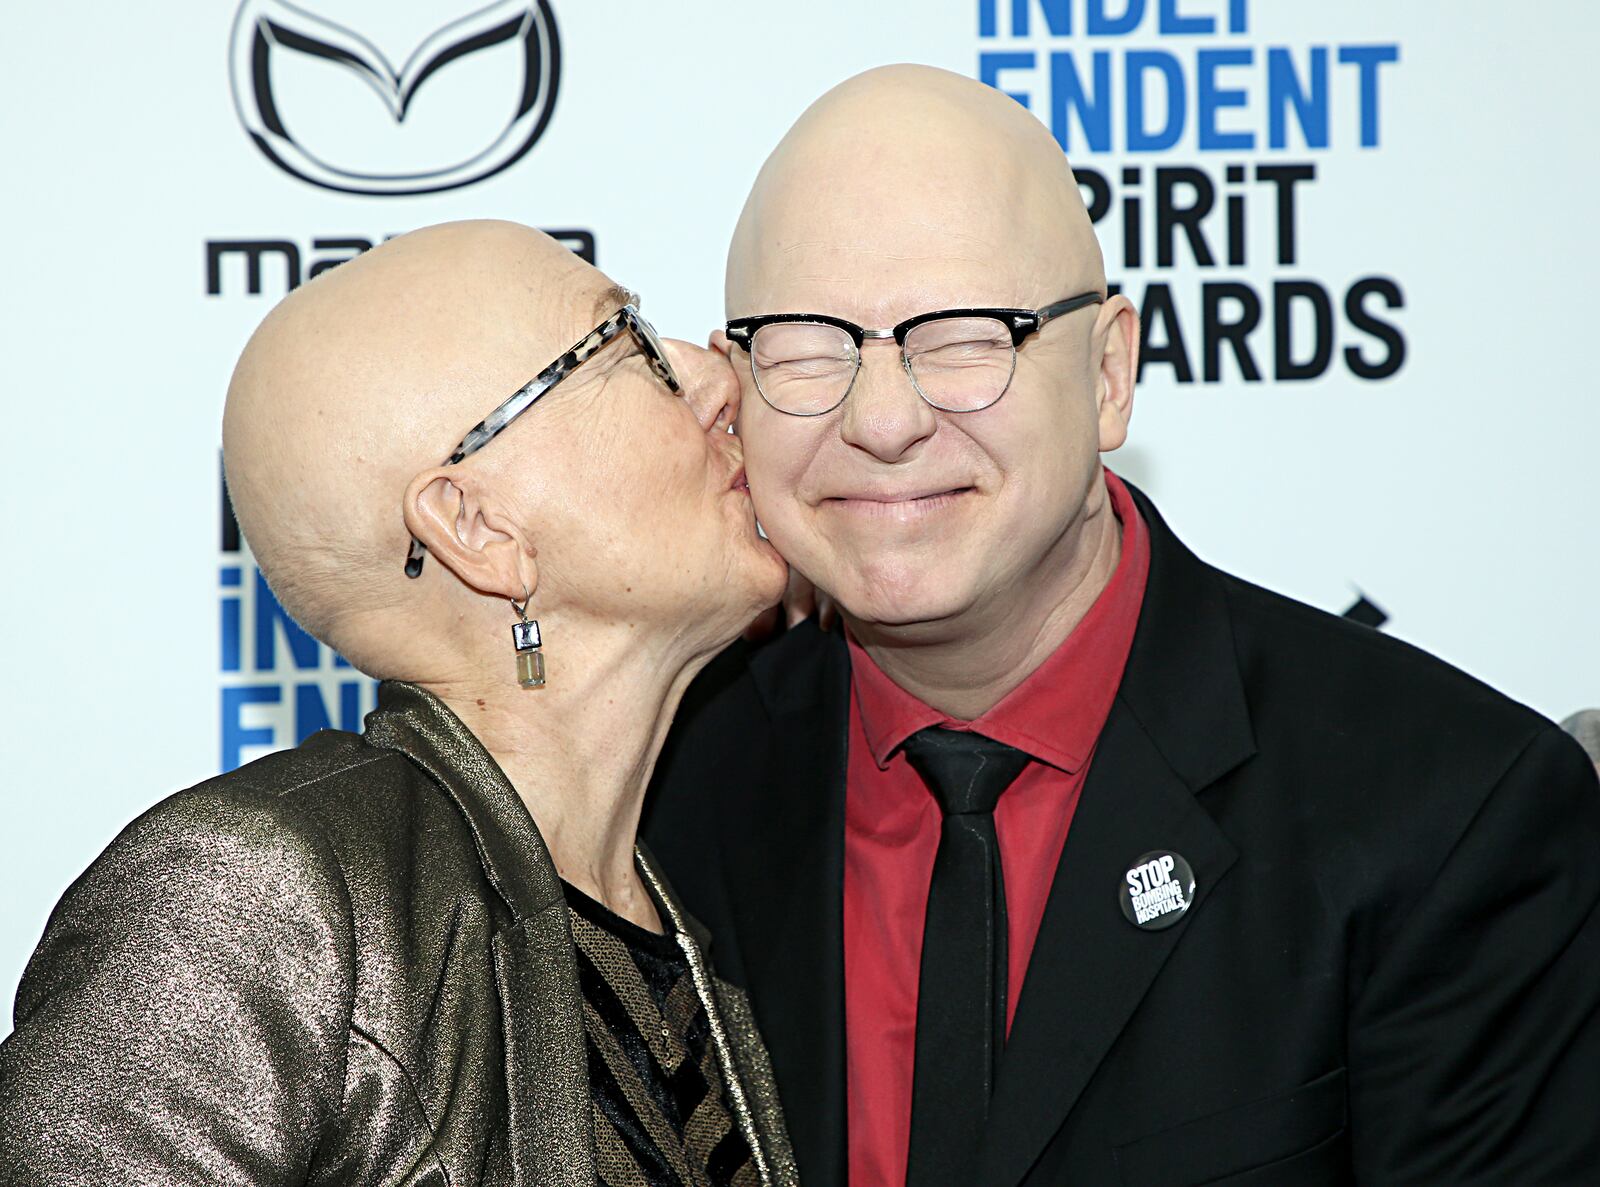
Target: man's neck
(580,751)
(967,666)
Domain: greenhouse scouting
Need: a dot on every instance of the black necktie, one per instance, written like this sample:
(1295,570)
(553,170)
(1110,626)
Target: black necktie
(961,997)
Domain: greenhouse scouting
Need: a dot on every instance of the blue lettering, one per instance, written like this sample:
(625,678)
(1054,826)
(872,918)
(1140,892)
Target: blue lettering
(1099,24)
(350,706)
(232,629)
(1310,106)
(311,711)
(1067,95)
(986,19)
(990,64)
(235,737)
(1173,25)
(1367,59)
(1236,21)
(305,650)
(1140,137)
(1212,97)
(231,576)
(1057,16)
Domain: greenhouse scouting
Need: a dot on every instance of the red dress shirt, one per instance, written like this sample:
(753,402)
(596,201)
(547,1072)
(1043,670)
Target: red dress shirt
(892,829)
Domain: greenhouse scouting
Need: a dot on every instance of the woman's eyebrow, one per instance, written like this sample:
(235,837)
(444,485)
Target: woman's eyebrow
(613,299)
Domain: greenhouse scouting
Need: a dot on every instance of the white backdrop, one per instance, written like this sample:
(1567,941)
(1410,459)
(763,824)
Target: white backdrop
(1450,148)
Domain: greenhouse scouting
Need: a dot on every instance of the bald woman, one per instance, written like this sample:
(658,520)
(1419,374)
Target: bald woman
(432,952)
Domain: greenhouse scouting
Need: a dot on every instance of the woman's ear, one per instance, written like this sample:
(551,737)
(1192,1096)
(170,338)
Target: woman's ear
(1116,338)
(465,530)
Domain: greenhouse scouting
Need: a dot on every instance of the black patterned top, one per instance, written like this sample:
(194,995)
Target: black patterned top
(661,1112)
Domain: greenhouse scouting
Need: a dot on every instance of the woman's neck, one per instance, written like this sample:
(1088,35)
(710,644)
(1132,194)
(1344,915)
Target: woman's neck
(580,750)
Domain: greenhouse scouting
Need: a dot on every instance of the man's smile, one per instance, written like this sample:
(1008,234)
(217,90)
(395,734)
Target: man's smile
(915,503)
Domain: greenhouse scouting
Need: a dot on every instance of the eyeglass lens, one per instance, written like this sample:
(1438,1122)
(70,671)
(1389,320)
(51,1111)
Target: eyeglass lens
(959,364)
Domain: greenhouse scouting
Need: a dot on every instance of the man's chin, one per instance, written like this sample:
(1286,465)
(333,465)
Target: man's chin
(911,613)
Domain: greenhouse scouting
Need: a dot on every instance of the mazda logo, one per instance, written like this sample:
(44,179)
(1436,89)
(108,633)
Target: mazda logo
(304,90)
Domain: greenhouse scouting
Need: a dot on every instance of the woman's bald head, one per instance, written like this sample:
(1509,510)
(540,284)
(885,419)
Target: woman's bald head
(371,373)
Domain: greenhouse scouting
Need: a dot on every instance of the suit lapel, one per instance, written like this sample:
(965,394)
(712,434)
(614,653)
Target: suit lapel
(549,1131)
(547,1081)
(789,858)
(1180,722)
(1090,967)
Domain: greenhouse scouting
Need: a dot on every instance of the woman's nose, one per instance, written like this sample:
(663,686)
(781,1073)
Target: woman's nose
(710,385)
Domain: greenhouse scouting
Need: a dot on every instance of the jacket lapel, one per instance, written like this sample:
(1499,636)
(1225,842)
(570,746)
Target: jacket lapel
(1090,967)
(547,1077)
(1180,722)
(789,861)
(549,1133)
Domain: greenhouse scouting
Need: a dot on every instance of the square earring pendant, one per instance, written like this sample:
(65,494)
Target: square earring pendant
(530,660)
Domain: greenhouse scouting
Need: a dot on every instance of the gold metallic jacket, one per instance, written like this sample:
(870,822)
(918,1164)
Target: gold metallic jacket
(347,963)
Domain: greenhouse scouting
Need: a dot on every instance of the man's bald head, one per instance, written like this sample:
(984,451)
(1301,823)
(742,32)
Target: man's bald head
(908,162)
(902,192)
(370,374)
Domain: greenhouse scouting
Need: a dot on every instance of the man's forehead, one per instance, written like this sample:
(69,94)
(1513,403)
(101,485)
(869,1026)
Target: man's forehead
(879,299)
(880,274)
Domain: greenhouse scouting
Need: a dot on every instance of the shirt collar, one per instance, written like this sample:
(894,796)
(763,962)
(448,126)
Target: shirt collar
(1056,714)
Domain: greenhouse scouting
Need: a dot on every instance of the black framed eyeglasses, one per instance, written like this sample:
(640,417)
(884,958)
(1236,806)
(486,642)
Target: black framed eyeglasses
(959,360)
(627,319)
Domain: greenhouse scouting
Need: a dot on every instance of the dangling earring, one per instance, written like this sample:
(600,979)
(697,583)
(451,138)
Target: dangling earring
(525,634)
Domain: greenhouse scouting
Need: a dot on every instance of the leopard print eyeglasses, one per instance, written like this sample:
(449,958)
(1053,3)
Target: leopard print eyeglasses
(625,319)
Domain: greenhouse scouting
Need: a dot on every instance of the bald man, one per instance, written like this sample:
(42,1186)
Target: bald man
(1074,859)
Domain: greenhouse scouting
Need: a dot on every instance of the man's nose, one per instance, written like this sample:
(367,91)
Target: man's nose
(883,413)
(710,385)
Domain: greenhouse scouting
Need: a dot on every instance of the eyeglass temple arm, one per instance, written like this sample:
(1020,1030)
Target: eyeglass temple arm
(1071,305)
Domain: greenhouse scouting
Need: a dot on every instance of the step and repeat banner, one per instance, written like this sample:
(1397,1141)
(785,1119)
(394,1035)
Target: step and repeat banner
(1359,234)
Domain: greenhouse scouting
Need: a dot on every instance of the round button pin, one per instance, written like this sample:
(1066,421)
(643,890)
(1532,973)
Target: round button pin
(1156,891)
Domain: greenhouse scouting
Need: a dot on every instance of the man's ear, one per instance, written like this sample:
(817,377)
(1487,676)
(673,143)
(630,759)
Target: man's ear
(1116,337)
(466,531)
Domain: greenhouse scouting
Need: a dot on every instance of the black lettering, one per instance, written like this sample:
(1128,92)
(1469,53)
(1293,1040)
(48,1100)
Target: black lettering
(230,524)
(353,246)
(1284,178)
(1386,332)
(1158,307)
(1132,230)
(1170,215)
(1214,331)
(1236,245)
(1132,251)
(580,243)
(1284,295)
(254,251)
(1098,195)
(1236,230)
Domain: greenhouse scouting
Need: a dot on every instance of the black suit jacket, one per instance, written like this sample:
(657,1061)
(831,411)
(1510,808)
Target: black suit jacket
(1390,974)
